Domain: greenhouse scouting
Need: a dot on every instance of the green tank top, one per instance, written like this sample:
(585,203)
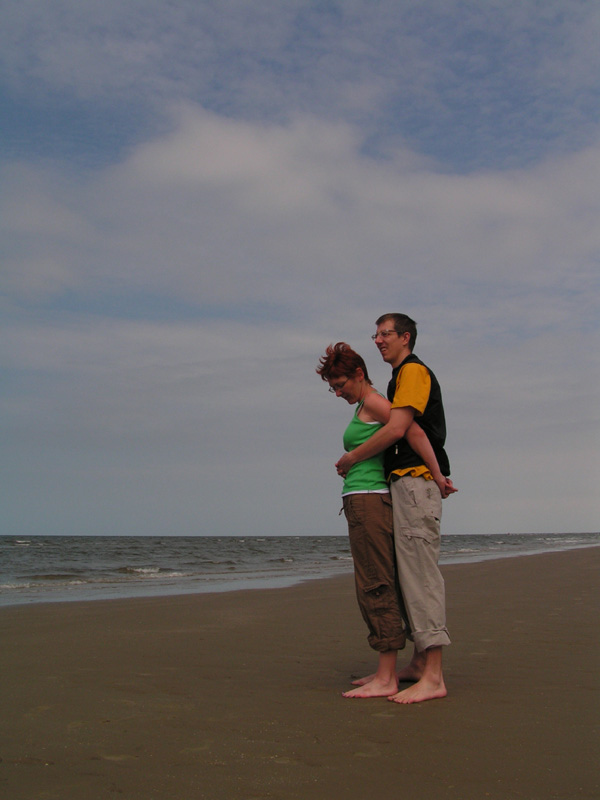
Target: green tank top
(366,476)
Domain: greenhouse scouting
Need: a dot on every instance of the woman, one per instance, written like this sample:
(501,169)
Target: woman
(368,511)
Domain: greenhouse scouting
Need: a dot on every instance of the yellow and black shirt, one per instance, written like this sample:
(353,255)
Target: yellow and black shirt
(414,384)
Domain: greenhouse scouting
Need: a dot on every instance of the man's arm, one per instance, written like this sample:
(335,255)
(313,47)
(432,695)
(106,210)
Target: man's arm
(399,422)
(401,425)
(419,442)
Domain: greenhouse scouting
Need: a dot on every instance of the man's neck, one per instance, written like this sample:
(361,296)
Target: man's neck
(403,355)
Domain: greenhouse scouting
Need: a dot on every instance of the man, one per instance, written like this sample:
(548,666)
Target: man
(416,500)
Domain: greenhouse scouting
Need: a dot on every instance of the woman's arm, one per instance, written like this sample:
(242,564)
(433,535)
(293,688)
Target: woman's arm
(375,408)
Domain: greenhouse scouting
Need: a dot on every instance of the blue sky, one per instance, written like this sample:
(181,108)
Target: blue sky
(197,197)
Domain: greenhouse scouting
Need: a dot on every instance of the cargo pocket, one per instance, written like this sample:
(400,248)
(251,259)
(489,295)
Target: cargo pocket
(427,529)
(376,594)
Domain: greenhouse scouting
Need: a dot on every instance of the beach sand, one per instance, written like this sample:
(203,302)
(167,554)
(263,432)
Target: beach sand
(238,695)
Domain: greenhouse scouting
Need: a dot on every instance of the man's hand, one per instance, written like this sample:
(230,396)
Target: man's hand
(446,487)
(345,464)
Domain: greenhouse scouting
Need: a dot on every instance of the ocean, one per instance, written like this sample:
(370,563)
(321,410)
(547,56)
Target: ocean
(41,569)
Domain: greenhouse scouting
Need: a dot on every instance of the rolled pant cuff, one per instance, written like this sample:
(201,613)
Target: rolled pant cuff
(425,639)
(385,645)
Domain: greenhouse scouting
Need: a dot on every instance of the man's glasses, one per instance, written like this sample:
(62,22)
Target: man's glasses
(339,387)
(383,334)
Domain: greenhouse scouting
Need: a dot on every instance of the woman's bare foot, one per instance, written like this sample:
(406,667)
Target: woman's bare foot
(383,677)
(409,674)
(374,688)
(363,681)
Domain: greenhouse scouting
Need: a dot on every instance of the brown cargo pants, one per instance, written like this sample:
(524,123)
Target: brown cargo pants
(369,518)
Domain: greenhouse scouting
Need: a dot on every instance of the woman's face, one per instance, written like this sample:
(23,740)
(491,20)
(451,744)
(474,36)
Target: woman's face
(349,388)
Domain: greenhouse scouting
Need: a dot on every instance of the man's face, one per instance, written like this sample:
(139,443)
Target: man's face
(390,344)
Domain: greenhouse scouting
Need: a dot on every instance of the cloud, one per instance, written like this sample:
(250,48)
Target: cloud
(498,267)
(507,82)
(166,415)
(217,210)
(278,175)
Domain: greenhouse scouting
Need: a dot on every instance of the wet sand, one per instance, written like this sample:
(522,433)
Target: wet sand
(238,695)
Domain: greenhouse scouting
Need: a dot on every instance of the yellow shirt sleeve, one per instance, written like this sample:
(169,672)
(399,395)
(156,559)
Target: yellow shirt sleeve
(413,386)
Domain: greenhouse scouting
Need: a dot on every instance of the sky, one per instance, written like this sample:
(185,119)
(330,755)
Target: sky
(198,196)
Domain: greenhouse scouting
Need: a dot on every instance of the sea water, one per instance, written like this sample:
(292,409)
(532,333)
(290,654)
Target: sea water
(59,568)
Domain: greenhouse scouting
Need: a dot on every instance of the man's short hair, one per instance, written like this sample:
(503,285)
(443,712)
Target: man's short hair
(402,324)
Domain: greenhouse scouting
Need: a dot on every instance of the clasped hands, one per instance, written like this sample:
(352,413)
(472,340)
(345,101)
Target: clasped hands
(346,462)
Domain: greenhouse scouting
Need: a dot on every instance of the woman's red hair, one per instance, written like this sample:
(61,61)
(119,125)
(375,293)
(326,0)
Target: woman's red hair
(340,359)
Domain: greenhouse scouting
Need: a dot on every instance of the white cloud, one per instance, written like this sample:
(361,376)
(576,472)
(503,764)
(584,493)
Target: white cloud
(163,314)
(180,409)
(503,82)
(217,210)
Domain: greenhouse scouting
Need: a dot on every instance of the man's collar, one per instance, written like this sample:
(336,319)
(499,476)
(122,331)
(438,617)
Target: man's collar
(404,360)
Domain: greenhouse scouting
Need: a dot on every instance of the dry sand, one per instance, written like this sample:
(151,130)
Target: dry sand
(238,695)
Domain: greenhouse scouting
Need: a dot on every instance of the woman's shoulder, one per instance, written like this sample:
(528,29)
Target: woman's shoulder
(375,408)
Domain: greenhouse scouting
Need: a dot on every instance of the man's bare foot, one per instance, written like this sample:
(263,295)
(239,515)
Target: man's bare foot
(374,688)
(422,690)
(410,674)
